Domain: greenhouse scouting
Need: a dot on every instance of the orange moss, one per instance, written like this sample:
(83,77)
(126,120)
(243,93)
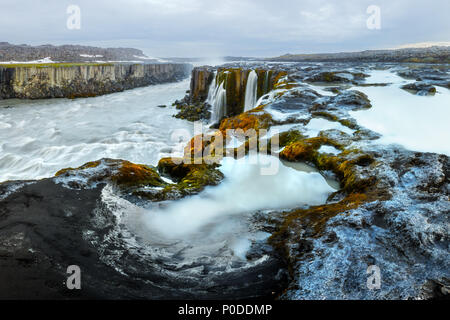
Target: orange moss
(130,174)
(315,218)
(189,177)
(306,149)
(88,165)
(246,121)
(196,146)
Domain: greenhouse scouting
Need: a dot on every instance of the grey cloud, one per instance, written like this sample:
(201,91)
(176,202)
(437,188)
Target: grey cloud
(245,27)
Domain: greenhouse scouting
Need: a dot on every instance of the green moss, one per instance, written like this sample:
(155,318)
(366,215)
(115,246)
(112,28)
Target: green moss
(189,177)
(343,165)
(314,220)
(136,175)
(325,115)
(288,137)
(331,117)
(123,173)
(85,166)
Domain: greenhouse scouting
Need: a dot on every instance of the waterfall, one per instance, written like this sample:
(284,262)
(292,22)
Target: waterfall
(251,91)
(217,98)
(211,90)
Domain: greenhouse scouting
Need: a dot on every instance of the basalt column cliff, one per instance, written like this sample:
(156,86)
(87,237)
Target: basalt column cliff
(66,80)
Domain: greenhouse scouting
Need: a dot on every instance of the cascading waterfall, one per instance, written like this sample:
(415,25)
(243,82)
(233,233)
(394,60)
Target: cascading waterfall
(212,88)
(217,98)
(251,91)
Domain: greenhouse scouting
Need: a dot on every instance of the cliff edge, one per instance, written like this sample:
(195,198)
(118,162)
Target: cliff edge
(73,80)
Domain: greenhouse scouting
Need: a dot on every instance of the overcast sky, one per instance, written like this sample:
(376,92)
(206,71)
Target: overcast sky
(264,28)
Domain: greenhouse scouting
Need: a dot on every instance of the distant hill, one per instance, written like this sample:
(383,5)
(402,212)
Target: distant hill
(69,53)
(435,54)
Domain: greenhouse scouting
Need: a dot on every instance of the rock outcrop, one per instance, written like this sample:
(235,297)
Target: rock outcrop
(390,213)
(70,219)
(37,81)
(234,80)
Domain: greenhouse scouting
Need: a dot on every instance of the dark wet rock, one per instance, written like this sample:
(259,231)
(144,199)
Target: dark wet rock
(142,181)
(424,72)
(402,230)
(335,90)
(197,112)
(299,99)
(47,227)
(331,77)
(351,100)
(337,77)
(374,84)
(438,289)
(420,88)
(431,75)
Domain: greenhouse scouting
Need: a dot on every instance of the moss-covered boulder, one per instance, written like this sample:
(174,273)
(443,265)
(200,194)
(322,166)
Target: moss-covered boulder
(189,178)
(420,88)
(193,112)
(143,181)
(337,77)
(255,119)
(124,174)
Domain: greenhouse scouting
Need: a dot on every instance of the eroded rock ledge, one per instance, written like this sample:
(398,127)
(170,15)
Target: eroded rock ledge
(195,106)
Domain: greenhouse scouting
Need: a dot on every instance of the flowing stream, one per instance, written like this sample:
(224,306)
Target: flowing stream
(38,138)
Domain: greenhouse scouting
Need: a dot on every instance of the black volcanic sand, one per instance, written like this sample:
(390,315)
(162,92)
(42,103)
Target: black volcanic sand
(42,226)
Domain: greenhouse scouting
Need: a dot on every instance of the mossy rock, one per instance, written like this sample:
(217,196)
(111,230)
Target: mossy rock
(254,119)
(193,112)
(136,175)
(124,174)
(190,178)
(92,164)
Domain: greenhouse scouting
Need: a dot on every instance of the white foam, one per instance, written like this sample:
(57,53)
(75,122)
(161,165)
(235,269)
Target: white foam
(38,138)
(243,190)
(329,149)
(419,123)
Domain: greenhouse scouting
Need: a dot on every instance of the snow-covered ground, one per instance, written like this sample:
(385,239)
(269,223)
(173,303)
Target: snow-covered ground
(44,60)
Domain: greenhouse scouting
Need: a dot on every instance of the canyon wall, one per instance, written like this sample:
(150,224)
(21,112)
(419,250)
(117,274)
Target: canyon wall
(83,80)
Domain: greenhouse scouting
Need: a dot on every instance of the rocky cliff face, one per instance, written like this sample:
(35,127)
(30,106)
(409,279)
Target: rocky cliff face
(201,78)
(234,80)
(82,80)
